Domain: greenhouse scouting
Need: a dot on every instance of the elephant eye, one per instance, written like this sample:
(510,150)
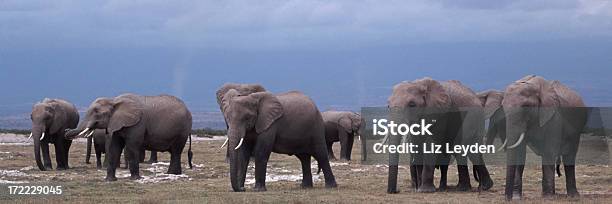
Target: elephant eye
(411,104)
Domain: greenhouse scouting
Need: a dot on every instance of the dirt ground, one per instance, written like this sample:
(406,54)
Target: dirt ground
(208,181)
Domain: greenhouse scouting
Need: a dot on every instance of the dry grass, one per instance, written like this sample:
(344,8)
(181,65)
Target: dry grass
(209,182)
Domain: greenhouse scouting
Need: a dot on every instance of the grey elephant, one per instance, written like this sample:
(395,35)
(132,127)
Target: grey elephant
(50,118)
(242,89)
(98,139)
(261,123)
(491,101)
(548,117)
(342,126)
(158,123)
(459,120)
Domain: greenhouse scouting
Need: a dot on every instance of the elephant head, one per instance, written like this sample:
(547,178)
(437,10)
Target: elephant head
(46,120)
(491,101)
(531,100)
(110,114)
(243,89)
(421,93)
(246,114)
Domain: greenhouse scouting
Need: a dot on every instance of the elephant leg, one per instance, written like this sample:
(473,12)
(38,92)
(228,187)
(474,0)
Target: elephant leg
(330,151)
(153,158)
(141,156)
(114,154)
(484,178)
(414,175)
(570,175)
(548,180)
(88,154)
(262,155)
(443,180)
(463,173)
(343,135)
(349,146)
(67,144)
(510,174)
(306,171)
(60,154)
(98,159)
(45,153)
(427,185)
(132,152)
(323,162)
(517,192)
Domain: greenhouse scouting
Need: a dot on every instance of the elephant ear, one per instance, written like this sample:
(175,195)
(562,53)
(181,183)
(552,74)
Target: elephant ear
(355,121)
(269,110)
(492,102)
(59,116)
(346,123)
(225,100)
(126,113)
(549,101)
(435,95)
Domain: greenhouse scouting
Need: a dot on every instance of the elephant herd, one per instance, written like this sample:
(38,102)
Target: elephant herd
(530,110)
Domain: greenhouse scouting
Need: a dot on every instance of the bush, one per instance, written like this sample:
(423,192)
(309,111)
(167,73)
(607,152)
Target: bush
(15,131)
(208,132)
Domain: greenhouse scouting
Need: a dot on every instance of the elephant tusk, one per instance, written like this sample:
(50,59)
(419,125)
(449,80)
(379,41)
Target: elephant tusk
(503,146)
(84,131)
(518,142)
(240,143)
(30,137)
(90,133)
(224,143)
(43,136)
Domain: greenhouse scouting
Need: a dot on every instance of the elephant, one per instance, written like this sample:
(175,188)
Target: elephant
(157,123)
(261,123)
(243,89)
(491,101)
(455,110)
(50,118)
(341,126)
(548,117)
(98,139)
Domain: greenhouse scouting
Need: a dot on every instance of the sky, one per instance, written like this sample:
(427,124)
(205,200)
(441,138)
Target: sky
(344,54)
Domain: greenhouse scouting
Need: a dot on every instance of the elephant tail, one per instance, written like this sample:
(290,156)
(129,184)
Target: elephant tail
(476,176)
(558,166)
(190,154)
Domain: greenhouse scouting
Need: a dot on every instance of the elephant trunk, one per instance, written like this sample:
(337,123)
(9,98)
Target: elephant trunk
(238,161)
(37,134)
(88,155)
(85,128)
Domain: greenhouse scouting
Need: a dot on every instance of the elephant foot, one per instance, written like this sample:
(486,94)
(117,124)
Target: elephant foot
(392,191)
(241,189)
(61,168)
(548,194)
(150,161)
(135,177)
(110,178)
(426,189)
(331,185)
(98,167)
(485,184)
(174,171)
(517,195)
(87,162)
(48,167)
(464,187)
(306,185)
(345,159)
(573,194)
(443,188)
(259,188)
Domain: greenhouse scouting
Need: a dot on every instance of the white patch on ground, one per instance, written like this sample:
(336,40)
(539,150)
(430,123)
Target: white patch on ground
(161,177)
(15,144)
(27,168)
(338,164)
(278,174)
(12,173)
(2,181)
(358,170)
(198,165)
(194,138)
(5,152)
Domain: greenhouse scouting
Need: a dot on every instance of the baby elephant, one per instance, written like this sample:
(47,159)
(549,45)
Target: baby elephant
(98,139)
(50,119)
(341,126)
